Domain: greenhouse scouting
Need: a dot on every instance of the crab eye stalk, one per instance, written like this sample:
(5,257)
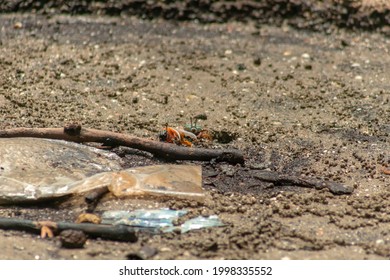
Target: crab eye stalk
(200,117)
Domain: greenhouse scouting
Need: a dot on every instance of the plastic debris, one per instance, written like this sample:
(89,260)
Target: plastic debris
(159,220)
(33,170)
(179,181)
(201,222)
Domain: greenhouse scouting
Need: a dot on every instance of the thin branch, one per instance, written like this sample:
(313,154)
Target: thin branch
(281,179)
(111,232)
(160,149)
(92,198)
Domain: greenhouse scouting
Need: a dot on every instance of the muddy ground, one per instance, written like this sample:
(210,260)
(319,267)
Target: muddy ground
(295,101)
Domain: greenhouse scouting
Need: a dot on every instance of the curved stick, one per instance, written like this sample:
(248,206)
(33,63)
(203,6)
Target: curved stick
(75,133)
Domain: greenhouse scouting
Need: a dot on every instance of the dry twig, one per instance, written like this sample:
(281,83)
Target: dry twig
(111,232)
(282,179)
(76,133)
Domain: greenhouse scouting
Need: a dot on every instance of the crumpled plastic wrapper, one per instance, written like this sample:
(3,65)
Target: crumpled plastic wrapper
(159,220)
(33,170)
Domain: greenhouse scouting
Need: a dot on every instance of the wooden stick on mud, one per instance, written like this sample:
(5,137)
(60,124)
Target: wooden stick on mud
(282,179)
(77,134)
(111,232)
(92,198)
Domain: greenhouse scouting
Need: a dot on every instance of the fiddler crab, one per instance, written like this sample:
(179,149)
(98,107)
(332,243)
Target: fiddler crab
(190,134)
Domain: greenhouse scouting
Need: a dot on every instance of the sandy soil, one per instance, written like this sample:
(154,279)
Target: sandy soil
(298,102)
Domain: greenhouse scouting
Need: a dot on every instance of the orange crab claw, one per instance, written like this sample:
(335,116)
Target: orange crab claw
(173,136)
(176,136)
(205,135)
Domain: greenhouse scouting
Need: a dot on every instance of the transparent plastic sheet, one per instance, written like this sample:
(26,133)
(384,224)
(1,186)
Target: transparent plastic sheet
(33,169)
(40,169)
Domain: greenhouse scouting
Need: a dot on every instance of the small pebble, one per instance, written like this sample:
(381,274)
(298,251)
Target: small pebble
(379,241)
(241,67)
(257,61)
(146,252)
(72,239)
(18,25)
(88,218)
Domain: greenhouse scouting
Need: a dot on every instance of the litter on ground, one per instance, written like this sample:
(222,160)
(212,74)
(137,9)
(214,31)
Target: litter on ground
(159,220)
(34,170)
